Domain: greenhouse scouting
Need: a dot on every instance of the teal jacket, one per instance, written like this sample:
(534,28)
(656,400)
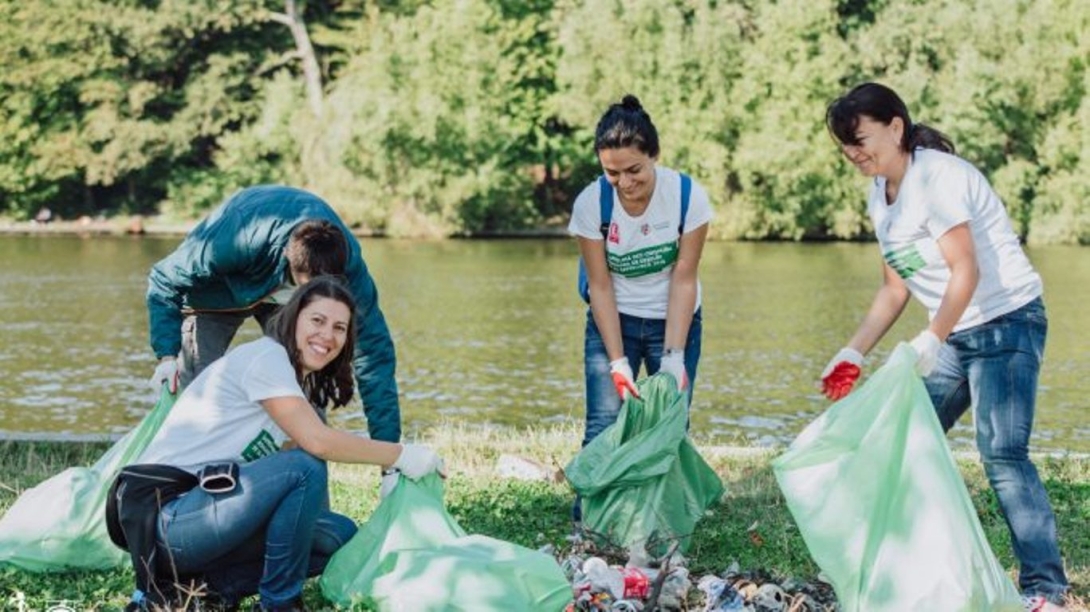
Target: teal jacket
(234,258)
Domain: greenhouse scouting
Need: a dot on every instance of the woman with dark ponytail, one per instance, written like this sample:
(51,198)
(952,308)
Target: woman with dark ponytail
(641,265)
(948,242)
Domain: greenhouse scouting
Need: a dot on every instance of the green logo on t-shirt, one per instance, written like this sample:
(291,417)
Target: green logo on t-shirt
(261,446)
(643,261)
(906,261)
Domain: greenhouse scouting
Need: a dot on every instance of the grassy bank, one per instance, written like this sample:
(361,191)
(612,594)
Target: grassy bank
(752,527)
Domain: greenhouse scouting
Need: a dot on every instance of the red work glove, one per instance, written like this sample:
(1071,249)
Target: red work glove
(623,378)
(840,375)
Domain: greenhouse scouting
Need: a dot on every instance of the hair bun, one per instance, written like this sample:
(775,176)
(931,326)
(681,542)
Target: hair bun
(631,103)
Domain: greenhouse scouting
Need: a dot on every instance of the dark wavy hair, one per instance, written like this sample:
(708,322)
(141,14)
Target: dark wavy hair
(317,247)
(626,124)
(881,104)
(334,381)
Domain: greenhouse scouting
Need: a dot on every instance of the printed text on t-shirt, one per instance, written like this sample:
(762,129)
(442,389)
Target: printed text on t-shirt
(643,261)
(905,261)
(261,446)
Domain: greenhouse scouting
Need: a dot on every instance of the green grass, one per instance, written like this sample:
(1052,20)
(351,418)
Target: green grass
(752,526)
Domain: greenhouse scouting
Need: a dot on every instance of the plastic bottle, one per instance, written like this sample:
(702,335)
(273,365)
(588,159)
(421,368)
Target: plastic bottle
(603,578)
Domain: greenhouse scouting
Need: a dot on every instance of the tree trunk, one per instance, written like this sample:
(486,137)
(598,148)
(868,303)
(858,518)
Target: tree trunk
(312,74)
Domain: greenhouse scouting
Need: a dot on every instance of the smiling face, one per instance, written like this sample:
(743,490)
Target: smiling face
(321,332)
(631,172)
(877,150)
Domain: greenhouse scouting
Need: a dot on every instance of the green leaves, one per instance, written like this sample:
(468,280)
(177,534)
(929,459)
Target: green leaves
(463,116)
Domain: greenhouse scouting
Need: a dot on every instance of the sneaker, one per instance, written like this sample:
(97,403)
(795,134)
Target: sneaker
(1037,603)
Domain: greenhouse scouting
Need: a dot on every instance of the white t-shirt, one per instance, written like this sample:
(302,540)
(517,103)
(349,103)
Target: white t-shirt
(940,191)
(219,418)
(642,250)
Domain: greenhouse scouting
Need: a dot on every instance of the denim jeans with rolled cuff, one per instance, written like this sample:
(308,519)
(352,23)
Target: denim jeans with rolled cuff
(266,536)
(993,369)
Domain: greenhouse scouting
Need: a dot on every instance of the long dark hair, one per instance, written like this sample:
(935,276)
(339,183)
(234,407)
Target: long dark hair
(626,124)
(334,381)
(315,248)
(881,104)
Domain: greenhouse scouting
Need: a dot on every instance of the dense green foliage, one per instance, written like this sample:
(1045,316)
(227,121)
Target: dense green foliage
(440,117)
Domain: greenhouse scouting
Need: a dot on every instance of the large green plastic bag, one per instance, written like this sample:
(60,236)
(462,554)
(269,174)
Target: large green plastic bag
(642,482)
(882,507)
(61,523)
(411,555)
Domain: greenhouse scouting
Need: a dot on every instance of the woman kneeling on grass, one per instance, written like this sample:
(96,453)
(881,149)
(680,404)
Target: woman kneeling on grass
(274,527)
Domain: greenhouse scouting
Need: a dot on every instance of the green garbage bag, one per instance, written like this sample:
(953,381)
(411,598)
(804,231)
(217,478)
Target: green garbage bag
(643,483)
(882,507)
(61,523)
(412,555)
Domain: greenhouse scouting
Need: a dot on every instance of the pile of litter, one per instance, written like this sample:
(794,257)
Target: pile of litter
(602,580)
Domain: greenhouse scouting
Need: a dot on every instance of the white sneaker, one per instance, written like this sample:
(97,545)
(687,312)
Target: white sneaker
(1036,603)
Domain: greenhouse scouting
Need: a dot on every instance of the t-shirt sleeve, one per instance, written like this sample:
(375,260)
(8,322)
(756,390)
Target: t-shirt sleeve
(700,209)
(270,375)
(586,218)
(949,197)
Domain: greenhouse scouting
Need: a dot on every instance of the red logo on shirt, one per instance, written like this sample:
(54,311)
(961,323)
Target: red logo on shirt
(614,233)
(645,229)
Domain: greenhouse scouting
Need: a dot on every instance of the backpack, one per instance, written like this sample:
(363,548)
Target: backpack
(605,206)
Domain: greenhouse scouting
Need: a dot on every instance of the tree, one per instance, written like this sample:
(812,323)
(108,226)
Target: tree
(292,17)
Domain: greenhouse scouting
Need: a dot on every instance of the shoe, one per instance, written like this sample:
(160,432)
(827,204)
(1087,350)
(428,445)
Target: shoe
(1037,603)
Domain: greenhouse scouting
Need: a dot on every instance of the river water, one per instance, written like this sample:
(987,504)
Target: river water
(489,333)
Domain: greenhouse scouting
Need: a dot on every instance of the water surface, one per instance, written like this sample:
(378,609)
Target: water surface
(490,333)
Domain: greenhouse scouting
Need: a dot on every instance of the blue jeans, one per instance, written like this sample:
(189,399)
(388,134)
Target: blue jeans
(266,536)
(993,368)
(642,340)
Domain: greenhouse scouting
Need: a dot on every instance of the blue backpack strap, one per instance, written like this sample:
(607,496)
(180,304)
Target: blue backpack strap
(605,205)
(605,209)
(686,191)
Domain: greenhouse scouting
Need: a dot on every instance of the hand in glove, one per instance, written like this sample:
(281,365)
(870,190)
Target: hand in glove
(417,460)
(623,378)
(389,482)
(673,363)
(840,375)
(166,372)
(927,346)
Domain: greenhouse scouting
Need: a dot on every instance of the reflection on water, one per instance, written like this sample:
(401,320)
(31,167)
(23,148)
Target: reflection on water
(490,333)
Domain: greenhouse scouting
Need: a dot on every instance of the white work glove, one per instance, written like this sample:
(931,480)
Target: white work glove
(673,363)
(389,483)
(623,380)
(165,373)
(838,378)
(417,461)
(927,346)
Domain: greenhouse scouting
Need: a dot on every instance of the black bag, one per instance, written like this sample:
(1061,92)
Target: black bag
(132,510)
